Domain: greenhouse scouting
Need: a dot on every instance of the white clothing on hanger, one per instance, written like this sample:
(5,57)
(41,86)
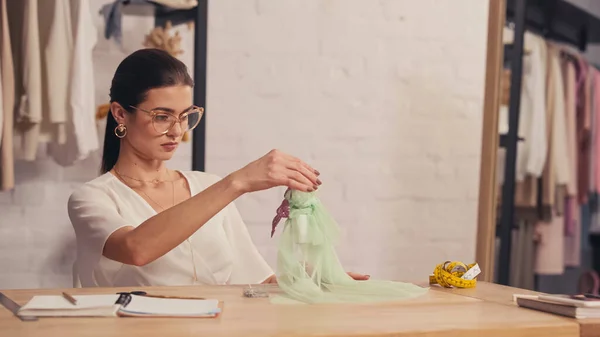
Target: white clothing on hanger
(83,96)
(1,112)
(81,130)
(532,151)
(7,78)
(57,62)
(29,114)
(559,126)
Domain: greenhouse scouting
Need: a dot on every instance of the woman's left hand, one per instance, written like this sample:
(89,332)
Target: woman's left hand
(359,277)
(355,276)
(270,279)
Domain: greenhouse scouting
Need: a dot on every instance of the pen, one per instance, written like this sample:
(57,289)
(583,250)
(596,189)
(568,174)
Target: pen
(175,297)
(69,298)
(143,293)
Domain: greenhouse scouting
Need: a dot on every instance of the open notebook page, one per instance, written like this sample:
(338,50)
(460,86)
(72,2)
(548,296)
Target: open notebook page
(141,305)
(61,303)
(104,305)
(87,305)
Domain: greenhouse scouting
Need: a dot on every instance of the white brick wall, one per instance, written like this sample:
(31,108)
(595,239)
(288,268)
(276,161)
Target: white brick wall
(383,97)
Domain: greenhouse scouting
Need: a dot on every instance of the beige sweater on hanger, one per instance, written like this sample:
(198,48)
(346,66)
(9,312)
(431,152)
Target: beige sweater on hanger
(7,172)
(56,63)
(29,96)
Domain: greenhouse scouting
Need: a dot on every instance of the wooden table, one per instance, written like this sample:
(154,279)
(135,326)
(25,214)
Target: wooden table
(495,293)
(437,313)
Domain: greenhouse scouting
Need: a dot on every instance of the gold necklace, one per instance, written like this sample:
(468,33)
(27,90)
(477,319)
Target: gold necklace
(162,208)
(153,181)
(146,194)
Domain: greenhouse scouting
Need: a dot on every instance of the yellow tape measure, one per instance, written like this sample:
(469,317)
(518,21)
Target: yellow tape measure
(455,274)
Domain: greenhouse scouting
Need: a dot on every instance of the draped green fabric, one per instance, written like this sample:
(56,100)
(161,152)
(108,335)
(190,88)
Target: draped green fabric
(308,269)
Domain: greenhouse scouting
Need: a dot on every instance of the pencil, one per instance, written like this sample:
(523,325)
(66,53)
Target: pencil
(175,297)
(69,298)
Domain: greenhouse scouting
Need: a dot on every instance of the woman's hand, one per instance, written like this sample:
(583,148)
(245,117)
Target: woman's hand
(270,280)
(355,276)
(276,169)
(359,277)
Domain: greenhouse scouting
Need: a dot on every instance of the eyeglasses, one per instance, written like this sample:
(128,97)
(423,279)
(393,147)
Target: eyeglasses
(163,121)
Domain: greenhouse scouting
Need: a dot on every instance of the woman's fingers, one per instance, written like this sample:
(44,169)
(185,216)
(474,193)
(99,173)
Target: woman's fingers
(291,179)
(298,160)
(359,277)
(298,166)
(309,174)
(270,279)
(292,172)
(298,177)
(295,185)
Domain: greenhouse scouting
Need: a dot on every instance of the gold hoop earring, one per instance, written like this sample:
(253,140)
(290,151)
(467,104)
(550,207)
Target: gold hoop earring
(121,131)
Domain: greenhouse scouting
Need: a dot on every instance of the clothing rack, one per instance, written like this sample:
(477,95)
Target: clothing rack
(199,15)
(555,20)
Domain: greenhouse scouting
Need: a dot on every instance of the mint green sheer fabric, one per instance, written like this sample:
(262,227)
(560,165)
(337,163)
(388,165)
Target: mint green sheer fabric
(308,269)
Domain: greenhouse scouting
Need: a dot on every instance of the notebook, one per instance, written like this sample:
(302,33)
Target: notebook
(119,305)
(561,305)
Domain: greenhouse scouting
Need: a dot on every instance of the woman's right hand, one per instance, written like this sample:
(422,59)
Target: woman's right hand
(276,169)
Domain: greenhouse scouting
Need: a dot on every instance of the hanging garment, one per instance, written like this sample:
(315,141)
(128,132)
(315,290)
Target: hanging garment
(573,241)
(595,215)
(583,128)
(112,13)
(591,188)
(582,125)
(575,122)
(549,232)
(560,142)
(586,219)
(81,128)
(522,256)
(534,197)
(572,185)
(550,248)
(83,95)
(595,139)
(56,64)
(516,256)
(29,112)
(595,202)
(586,222)
(548,180)
(7,172)
(1,112)
(529,243)
(532,152)
(529,193)
(526,193)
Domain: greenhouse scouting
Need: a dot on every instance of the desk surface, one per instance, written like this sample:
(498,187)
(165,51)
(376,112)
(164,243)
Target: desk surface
(437,313)
(495,293)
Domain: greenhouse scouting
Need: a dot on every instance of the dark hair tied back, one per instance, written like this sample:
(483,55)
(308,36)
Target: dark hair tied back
(139,72)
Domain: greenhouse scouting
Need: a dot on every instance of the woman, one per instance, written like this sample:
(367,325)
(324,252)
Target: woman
(141,224)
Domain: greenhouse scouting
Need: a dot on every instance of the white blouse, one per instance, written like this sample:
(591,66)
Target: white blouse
(221,251)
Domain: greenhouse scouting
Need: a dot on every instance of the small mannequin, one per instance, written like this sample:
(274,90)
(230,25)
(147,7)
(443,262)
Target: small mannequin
(315,275)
